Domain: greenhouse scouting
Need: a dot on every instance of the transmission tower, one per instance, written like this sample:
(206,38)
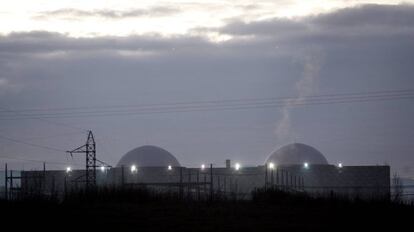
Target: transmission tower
(89,149)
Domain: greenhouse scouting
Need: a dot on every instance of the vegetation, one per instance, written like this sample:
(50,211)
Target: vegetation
(144,210)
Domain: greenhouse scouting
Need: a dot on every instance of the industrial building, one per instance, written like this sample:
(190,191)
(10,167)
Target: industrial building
(294,167)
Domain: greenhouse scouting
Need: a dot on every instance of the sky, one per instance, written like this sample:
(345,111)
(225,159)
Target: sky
(196,78)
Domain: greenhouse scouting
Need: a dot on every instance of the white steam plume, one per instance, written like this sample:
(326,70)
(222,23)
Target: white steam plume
(306,86)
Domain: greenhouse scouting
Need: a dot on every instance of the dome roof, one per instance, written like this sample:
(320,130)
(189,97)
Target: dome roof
(148,156)
(296,153)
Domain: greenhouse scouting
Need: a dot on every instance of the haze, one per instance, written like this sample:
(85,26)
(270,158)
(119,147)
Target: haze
(60,60)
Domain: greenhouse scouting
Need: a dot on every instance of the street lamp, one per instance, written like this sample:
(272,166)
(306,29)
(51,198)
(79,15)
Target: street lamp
(237,166)
(134,169)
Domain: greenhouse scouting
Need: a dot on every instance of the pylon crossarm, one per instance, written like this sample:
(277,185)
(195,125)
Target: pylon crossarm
(103,164)
(78,150)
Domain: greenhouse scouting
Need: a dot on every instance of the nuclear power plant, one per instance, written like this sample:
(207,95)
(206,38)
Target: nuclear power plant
(295,167)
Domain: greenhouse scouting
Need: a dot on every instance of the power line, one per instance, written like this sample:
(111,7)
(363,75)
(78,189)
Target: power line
(45,120)
(31,144)
(216,108)
(49,136)
(287,102)
(55,163)
(35,161)
(34,145)
(404,91)
(309,97)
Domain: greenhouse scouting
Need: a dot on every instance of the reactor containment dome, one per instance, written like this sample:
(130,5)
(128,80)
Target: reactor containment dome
(297,154)
(148,156)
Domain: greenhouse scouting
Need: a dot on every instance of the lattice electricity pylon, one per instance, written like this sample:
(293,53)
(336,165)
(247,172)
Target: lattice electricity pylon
(90,150)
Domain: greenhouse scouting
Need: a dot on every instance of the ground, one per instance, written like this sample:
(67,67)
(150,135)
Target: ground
(157,214)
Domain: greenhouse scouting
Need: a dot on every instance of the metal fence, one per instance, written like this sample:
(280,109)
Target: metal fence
(186,183)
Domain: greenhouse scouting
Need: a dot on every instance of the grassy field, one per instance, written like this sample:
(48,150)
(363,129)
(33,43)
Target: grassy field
(139,210)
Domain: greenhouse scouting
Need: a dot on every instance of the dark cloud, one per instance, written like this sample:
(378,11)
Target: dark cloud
(43,42)
(397,16)
(359,22)
(70,13)
(366,48)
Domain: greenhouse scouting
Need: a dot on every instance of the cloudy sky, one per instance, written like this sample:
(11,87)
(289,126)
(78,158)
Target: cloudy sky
(207,80)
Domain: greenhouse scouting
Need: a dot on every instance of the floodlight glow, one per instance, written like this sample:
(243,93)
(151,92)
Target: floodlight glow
(68,169)
(271,165)
(103,168)
(237,166)
(133,168)
(169,167)
(340,165)
(305,165)
(203,167)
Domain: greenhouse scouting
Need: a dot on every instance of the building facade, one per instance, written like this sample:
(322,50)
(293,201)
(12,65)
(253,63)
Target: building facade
(296,167)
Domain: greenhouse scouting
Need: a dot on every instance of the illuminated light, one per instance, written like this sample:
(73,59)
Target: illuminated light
(133,168)
(169,167)
(271,165)
(103,168)
(340,165)
(68,169)
(305,165)
(237,166)
(203,167)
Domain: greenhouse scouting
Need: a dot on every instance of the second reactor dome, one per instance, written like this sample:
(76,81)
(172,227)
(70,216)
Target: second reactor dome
(296,153)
